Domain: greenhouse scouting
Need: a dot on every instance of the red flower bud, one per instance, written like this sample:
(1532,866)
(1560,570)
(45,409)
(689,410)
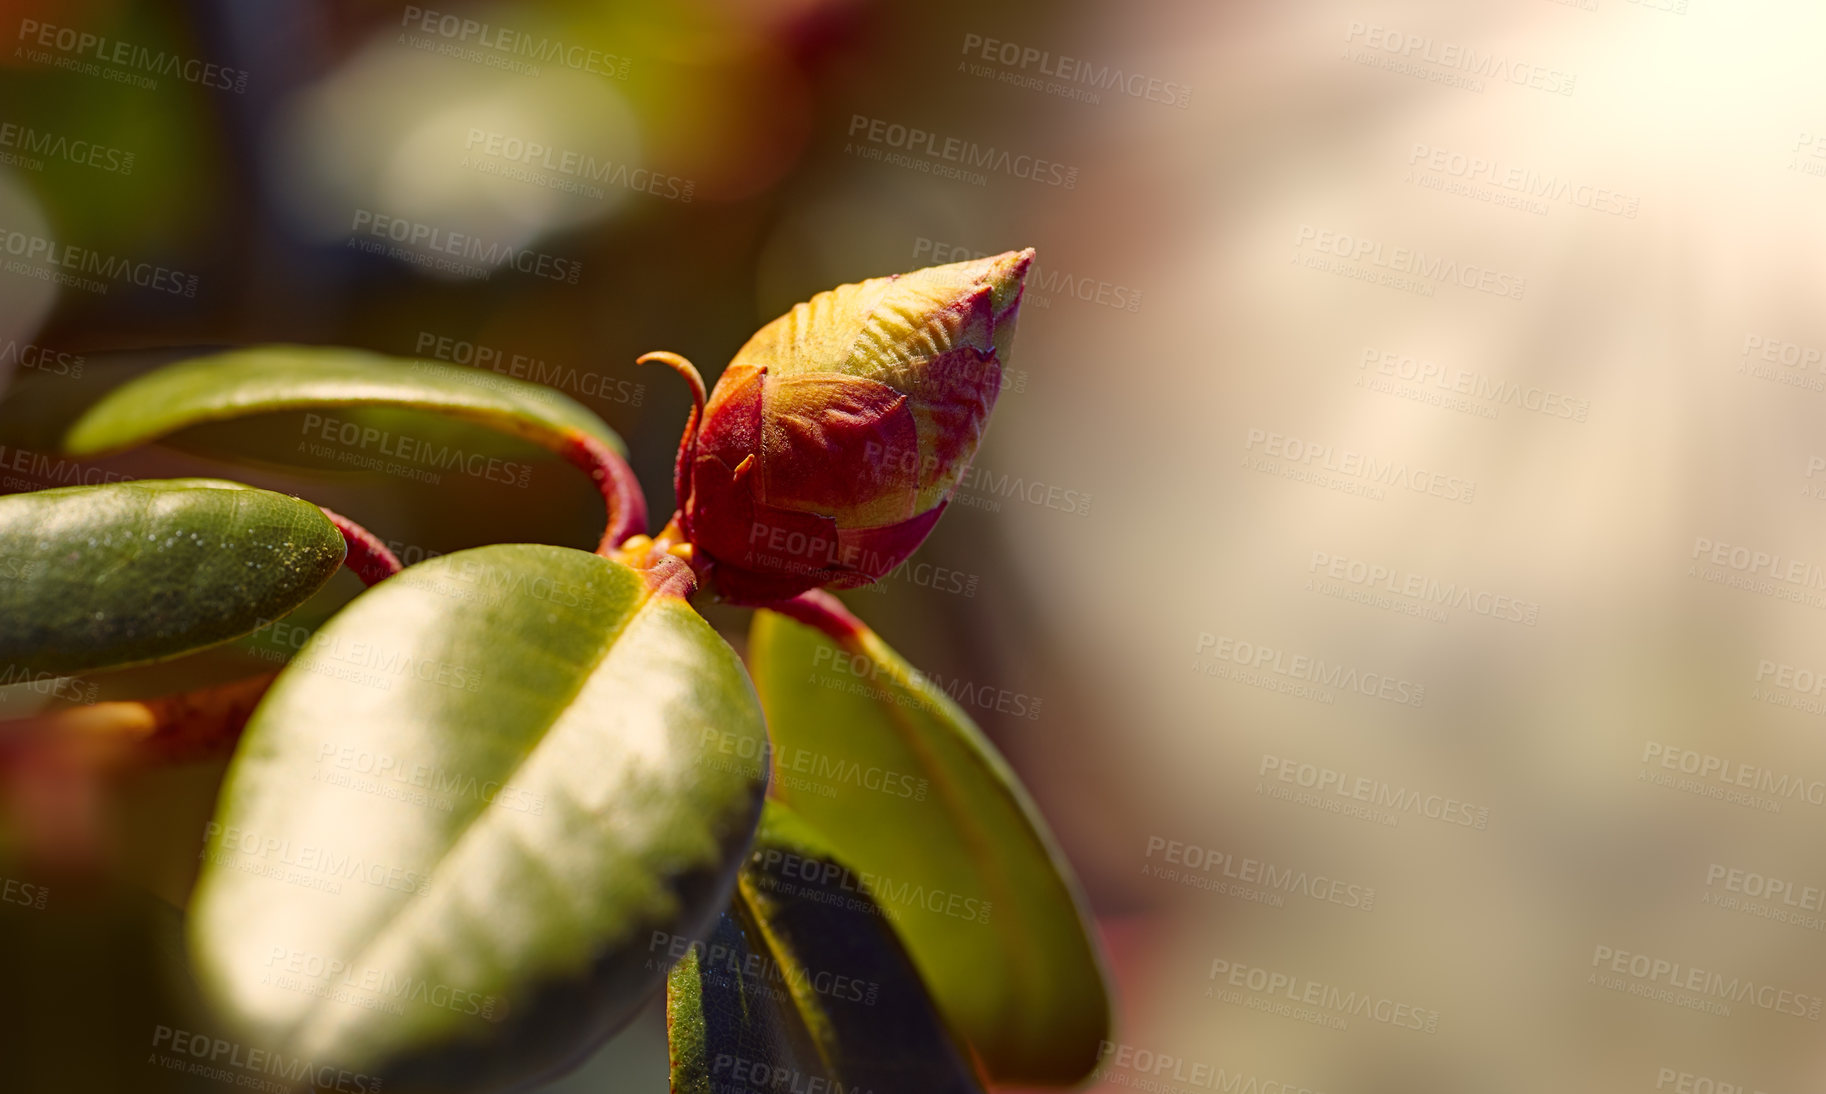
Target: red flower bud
(836,436)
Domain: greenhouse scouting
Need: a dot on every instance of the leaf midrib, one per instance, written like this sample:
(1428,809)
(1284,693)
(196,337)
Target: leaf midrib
(308,1019)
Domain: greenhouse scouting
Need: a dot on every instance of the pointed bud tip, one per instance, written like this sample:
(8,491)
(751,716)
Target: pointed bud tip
(1008,268)
(1002,274)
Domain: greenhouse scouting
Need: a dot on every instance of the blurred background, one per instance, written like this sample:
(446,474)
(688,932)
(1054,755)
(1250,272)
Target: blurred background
(1395,564)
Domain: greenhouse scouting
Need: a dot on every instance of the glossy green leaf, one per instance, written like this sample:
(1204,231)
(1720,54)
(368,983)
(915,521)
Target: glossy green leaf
(266,379)
(910,794)
(461,816)
(99,576)
(803,985)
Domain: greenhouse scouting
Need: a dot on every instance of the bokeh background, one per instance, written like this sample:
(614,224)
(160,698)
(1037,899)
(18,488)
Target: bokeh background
(1400,525)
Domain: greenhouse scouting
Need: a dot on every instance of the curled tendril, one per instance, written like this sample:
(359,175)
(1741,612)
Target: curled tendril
(688,440)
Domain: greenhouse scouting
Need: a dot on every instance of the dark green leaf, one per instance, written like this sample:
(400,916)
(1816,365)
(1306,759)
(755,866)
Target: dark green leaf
(461,816)
(99,576)
(266,379)
(803,985)
(909,793)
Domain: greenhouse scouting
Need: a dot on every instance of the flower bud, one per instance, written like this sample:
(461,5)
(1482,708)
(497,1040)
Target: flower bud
(836,436)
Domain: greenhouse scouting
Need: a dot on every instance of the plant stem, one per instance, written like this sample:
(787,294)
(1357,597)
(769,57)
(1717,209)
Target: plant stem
(664,560)
(368,557)
(171,728)
(817,608)
(621,492)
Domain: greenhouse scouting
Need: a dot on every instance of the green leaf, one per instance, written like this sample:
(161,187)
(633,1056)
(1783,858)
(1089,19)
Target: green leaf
(265,379)
(459,819)
(912,796)
(100,576)
(804,980)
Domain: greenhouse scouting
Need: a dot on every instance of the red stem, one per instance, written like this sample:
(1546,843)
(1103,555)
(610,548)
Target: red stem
(170,728)
(620,489)
(368,557)
(817,608)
